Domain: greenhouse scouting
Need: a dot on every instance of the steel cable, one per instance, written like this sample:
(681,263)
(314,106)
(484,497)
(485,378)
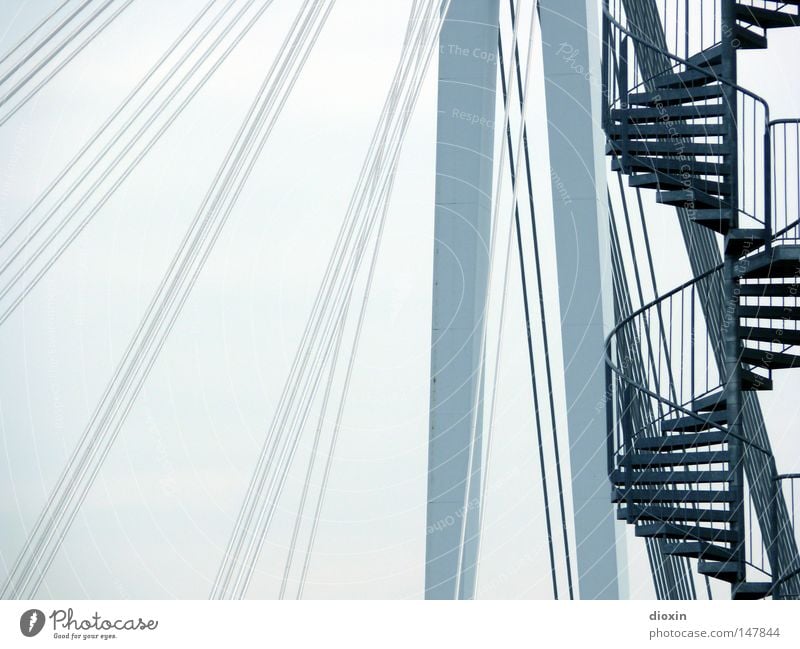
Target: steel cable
(255,516)
(284,80)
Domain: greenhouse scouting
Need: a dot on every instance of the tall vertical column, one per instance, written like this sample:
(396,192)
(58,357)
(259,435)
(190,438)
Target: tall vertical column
(571,58)
(730,329)
(464,151)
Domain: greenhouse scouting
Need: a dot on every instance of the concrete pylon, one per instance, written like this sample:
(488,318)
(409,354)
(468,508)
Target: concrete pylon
(571,59)
(464,152)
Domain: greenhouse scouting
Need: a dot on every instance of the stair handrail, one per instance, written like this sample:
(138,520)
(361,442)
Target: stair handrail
(672,405)
(689,65)
(774,135)
(791,572)
(611,366)
(766,154)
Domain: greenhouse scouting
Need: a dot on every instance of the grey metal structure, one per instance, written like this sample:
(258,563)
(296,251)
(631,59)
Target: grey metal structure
(697,472)
(464,154)
(571,58)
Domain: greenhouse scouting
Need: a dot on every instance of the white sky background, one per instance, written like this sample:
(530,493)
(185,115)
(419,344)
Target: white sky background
(156,522)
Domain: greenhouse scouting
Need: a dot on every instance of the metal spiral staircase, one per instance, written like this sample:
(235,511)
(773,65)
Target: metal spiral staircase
(679,441)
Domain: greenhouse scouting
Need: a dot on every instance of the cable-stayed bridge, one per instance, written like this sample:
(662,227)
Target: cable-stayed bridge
(643,389)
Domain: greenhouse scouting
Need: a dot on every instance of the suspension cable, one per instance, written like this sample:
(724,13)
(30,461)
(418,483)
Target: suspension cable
(544,328)
(62,63)
(206,228)
(529,340)
(484,326)
(256,514)
(35,29)
(53,258)
(59,48)
(347,378)
(31,53)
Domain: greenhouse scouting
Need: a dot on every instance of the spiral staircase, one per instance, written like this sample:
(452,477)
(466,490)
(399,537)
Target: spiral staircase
(677,123)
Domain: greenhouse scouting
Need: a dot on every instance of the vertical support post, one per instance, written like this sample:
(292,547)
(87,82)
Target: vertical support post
(768,184)
(604,71)
(624,157)
(464,154)
(731,339)
(571,57)
(773,517)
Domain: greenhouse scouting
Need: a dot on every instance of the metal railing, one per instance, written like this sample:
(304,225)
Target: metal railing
(680,357)
(785,137)
(750,117)
(691,26)
(789,488)
(679,360)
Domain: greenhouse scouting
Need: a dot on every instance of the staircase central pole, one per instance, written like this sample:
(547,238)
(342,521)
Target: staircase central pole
(731,338)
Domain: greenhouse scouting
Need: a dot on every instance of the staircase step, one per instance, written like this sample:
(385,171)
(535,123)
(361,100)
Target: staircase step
(713,401)
(780,261)
(670,477)
(766,18)
(668,148)
(725,570)
(770,312)
(697,550)
(647,460)
(769,360)
(769,290)
(688,78)
(688,198)
(668,97)
(674,113)
(679,442)
(686,532)
(670,130)
(752,381)
(661,180)
(674,165)
(751,590)
(647,496)
(743,241)
(710,56)
(770,335)
(694,424)
(717,220)
(748,39)
(673,514)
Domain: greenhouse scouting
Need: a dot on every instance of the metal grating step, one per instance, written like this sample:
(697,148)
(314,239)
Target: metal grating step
(664,495)
(686,532)
(686,458)
(725,570)
(666,97)
(769,312)
(698,550)
(674,514)
(670,477)
(695,423)
(766,18)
